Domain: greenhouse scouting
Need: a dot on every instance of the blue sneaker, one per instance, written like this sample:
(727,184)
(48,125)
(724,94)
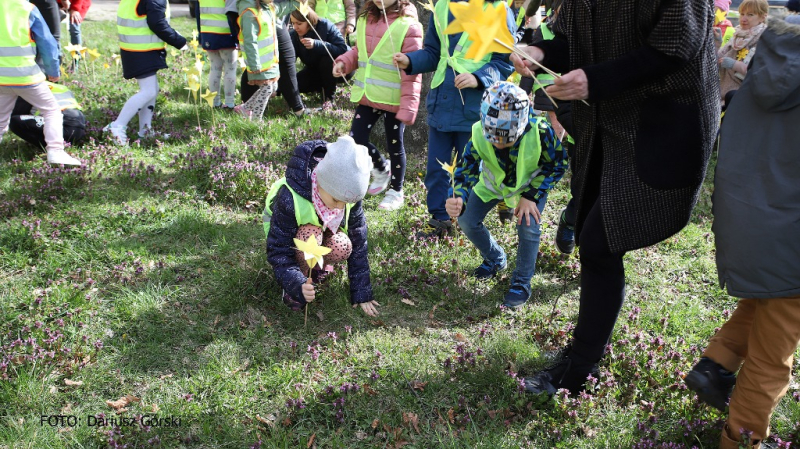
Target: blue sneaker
(565,235)
(488,270)
(516,296)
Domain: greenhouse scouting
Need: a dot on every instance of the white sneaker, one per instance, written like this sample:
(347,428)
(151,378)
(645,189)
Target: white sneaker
(60,157)
(380,180)
(117,134)
(150,132)
(393,200)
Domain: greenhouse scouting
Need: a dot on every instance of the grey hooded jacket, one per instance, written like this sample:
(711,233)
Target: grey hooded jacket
(756,201)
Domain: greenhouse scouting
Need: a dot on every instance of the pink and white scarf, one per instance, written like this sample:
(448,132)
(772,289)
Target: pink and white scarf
(331,218)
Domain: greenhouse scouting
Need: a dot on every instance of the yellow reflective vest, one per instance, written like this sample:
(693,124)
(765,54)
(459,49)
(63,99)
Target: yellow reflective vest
(304,212)
(332,10)
(132,30)
(458,62)
(212,17)
(267,48)
(377,76)
(17,48)
(65,97)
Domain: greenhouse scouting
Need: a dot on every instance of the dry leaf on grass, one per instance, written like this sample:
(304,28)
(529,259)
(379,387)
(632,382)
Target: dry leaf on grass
(375,423)
(72,383)
(451,416)
(122,402)
(320,315)
(408,301)
(417,385)
(361,435)
(460,337)
(311,441)
(269,420)
(411,418)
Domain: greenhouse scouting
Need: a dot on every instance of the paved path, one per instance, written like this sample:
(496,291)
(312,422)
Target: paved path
(107,10)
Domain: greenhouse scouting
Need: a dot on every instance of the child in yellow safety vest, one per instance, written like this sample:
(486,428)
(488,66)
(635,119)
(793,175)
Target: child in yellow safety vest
(320,195)
(144,31)
(511,157)
(22,33)
(453,102)
(385,27)
(258,40)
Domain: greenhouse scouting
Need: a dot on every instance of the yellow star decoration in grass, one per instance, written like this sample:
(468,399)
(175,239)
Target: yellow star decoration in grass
(75,50)
(93,54)
(194,84)
(312,251)
(115,57)
(193,43)
(194,34)
(209,97)
(198,64)
(483,23)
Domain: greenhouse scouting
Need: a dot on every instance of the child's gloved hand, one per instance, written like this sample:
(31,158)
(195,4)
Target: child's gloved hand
(453,206)
(717,34)
(369,308)
(527,209)
(401,60)
(727,62)
(309,294)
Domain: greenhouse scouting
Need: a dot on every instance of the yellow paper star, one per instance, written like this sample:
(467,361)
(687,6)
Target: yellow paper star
(194,84)
(312,251)
(75,50)
(464,12)
(93,54)
(303,8)
(449,168)
(209,97)
(193,43)
(198,64)
(194,34)
(106,66)
(115,57)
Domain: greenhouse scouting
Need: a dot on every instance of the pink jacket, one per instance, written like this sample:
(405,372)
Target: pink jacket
(411,85)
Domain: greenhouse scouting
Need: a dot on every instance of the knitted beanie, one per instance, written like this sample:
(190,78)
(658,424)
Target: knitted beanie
(793,5)
(724,5)
(344,171)
(504,112)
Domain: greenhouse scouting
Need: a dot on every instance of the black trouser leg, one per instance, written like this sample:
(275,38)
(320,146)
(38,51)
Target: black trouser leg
(602,290)
(50,12)
(570,211)
(28,128)
(287,84)
(363,121)
(317,77)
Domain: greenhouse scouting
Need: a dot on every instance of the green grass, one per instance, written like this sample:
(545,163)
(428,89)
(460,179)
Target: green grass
(145,274)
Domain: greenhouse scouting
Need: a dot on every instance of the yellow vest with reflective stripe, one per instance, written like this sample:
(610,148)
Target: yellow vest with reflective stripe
(267,50)
(17,48)
(212,17)
(458,62)
(132,30)
(65,98)
(304,212)
(492,183)
(377,76)
(332,10)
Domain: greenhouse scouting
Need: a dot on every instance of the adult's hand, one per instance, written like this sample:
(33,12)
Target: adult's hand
(572,86)
(522,65)
(465,80)
(369,308)
(75,17)
(307,42)
(401,60)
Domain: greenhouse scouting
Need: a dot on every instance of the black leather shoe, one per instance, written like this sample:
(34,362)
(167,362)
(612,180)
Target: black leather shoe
(712,383)
(565,373)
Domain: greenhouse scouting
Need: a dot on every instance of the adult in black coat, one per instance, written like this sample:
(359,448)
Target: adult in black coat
(317,48)
(643,140)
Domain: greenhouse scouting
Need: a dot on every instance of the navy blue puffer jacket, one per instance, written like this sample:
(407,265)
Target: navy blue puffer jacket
(280,246)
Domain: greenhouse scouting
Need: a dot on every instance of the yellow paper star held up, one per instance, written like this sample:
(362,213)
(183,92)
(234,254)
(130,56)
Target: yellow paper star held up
(464,12)
(449,168)
(312,251)
(209,97)
(303,8)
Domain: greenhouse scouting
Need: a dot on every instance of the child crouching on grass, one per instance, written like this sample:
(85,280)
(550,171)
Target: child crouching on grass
(514,157)
(321,195)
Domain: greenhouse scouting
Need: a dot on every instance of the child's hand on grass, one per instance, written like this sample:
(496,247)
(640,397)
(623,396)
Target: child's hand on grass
(453,207)
(527,209)
(308,291)
(368,308)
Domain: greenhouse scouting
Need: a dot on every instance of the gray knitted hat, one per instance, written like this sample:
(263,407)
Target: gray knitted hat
(344,171)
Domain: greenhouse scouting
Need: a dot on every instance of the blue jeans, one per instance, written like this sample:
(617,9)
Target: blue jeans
(75,33)
(437,181)
(471,222)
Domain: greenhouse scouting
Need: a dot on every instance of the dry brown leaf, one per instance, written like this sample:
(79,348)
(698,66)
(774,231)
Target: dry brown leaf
(460,337)
(53,389)
(165,376)
(451,416)
(320,315)
(155,408)
(408,301)
(72,383)
(269,420)
(400,443)
(287,422)
(65,429)
(132,398)
(311,441)
(589,432)
(417,385)
(119,403)
(375,423)
(411,418)
(361,435)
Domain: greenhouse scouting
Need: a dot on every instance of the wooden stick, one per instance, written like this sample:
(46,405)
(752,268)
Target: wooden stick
(391,39)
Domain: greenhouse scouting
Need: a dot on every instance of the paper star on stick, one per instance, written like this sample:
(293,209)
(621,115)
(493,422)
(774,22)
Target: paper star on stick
(93,54)
(312,251)
(484,24)
(209,97)
(465,12)
(194,84)
(304,8)
(75,50)
(449,168)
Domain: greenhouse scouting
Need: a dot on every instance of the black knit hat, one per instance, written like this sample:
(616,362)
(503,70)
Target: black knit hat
(793,5)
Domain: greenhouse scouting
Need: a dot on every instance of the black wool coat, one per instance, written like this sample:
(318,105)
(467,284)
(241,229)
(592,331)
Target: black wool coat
(643,143)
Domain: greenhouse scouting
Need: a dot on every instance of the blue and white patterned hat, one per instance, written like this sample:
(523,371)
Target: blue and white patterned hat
(504,112)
